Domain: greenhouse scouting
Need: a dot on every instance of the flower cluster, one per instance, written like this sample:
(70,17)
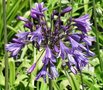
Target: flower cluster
(66,40)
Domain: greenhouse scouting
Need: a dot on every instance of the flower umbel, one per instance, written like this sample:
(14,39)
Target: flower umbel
(66,40)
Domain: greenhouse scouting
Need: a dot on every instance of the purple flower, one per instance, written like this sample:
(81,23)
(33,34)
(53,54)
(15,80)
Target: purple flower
(63,51)
(71,58)
(43,74)
(37,36)
(22,35)
(77,60)
(38,10)
(15,47)
(81,58)
(49,57)
(72,67)
(88,40)
(77,45)
(54,72)
(83,23)
(77,37)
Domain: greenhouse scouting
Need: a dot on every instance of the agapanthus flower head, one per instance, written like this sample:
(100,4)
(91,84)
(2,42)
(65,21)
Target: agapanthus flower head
(66,40)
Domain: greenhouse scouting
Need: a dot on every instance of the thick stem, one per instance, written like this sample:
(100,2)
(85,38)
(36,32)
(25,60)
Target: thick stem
(72,2)
(50,81)
(81,79)
(97,35)
(5,42)
(70,78)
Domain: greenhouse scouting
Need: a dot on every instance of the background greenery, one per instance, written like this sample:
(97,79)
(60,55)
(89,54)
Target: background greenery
(18,78)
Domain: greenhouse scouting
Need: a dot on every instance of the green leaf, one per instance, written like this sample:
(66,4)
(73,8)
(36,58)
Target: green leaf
(12,71)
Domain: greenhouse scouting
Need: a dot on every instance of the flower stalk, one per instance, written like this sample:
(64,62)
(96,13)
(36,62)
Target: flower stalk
(50,81)
(97,36)
(5,42)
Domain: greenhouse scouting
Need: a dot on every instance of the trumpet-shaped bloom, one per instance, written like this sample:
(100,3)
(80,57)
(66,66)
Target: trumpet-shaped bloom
(49,57)
(43,74)
(54,72)
(37,36)
(83,23)
(23,35)
(15,47)
(63,51)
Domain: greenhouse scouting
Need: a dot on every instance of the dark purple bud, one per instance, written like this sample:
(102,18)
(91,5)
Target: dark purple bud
(33,16)
(28,25)
(33,11)
(22,19)
(66,10)
(31,68)
(55,12)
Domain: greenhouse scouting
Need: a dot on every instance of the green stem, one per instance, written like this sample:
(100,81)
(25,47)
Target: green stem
(81,76)
(97,35)
(70,80)
(50,81)
(71,1)
(30,2)
(5,42)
